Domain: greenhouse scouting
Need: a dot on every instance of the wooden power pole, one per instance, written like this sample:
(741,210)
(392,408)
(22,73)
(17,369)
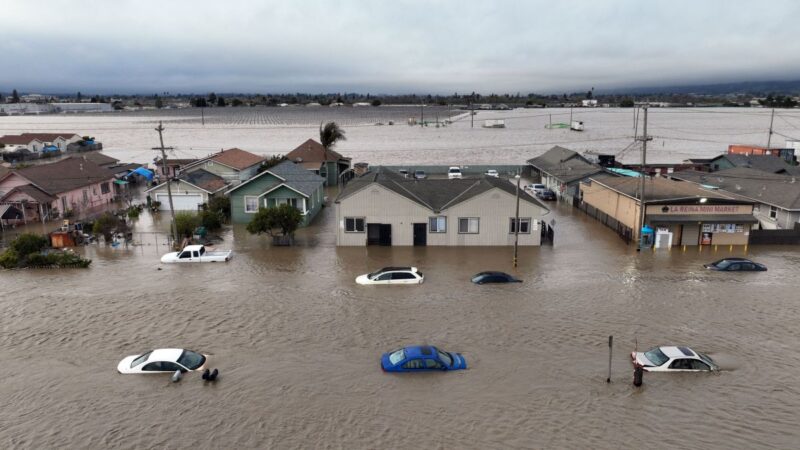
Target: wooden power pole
(642,203)
(165,169)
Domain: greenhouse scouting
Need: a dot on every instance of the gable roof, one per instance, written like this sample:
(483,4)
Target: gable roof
(659,189)
(16,139)
(313,151)
(200,178)
(782,191)
(564,164)
(32,192)
(65,175)
(49,137)
(434,194)
(236,158)
(765,163)
(291,175)
(99,158)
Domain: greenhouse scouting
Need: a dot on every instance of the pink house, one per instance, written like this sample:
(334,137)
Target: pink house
(76,185)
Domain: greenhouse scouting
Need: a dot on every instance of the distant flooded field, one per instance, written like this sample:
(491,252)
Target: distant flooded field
(298,344)
(678,133)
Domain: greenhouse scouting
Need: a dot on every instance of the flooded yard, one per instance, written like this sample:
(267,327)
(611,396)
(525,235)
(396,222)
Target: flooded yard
(298,344)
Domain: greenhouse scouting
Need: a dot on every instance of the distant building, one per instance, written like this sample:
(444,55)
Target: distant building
(787,154)
(591,103)
(328,164)
(562,170)
(81,107)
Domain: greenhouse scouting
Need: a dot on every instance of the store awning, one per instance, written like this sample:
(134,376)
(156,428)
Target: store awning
(121,182)
(705,218)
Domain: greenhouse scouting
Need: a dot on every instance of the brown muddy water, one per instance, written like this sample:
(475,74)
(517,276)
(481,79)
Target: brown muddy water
(298,347)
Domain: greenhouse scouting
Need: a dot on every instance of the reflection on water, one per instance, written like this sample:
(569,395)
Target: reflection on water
(297,343)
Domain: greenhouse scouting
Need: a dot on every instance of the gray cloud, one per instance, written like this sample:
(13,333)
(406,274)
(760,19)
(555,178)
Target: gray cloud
(400,46)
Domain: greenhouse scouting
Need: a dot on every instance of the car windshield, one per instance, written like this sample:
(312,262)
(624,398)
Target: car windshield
(445,357)
(708,360)
(656,356)
(397,356)
(455,170)
(140,359)
(191,360)
(722,264)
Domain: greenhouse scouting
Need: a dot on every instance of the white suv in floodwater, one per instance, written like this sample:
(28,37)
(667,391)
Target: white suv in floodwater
(453,172)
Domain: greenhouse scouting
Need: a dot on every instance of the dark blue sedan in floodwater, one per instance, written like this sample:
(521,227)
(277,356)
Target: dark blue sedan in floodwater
(421,358)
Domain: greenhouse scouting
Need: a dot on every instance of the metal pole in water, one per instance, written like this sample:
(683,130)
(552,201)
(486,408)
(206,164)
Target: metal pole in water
(610,349)
(638,375)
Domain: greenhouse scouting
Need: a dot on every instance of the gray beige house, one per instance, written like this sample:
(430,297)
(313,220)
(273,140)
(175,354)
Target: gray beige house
(384,208)
(234,165)
(562,170)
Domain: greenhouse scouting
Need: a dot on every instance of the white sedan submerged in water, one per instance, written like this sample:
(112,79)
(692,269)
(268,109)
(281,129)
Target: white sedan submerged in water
(392,275)
(673,359)
(196,253)
(162,360)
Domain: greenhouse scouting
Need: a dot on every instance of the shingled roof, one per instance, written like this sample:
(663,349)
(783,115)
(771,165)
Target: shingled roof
(65,175)
(293,176)
(764,163)
(32,192)
(236,158)
(564,164)
(782,191)
(49,137)
(659,189)
(100,159)
(313,151)
(434,194)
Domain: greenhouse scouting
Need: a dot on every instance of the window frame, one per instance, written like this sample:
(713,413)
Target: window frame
(435,228)
(355,224)
(773,212)
(468,219)
(522,220)
(105,188)
(247,211)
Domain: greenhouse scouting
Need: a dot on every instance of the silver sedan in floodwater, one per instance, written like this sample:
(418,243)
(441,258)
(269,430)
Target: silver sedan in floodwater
(673,359)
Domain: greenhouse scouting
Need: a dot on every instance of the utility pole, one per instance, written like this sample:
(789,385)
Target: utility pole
(471,115)
(642,203)
(570,116)
(516,224)
(202,116)
(163,149)
(421,114)
(771,118)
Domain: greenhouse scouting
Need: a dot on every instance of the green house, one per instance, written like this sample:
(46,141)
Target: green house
(329,164)
(284,183)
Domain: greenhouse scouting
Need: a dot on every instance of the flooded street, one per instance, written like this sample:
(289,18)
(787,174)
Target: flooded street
(298,346)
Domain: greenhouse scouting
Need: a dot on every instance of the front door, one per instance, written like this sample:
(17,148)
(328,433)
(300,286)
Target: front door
(386,234)
(373,234)
(420,234)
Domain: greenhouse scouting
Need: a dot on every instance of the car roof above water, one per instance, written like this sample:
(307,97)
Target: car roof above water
(391,269)
(678,352)
(165,354)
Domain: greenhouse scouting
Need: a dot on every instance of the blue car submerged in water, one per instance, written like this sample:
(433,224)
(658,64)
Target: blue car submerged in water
(421,358)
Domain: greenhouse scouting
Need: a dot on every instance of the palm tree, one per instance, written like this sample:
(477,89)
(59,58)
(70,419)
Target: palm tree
(329,135)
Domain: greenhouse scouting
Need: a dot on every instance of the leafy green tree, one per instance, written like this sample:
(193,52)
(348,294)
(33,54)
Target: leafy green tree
(159,102)
(330,134)
(220,101)
(212,98)
(106,224)
(15,96)
(626,103)
(282,220)
(236,102)
(220,204)
(186,222)
(376,102)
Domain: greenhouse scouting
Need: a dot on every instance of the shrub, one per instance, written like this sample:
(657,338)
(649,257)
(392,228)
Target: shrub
(186,223)
(105,226)
(285,218)
(133,212)
(9,259)
(221,204)
(211,220)
(28,243)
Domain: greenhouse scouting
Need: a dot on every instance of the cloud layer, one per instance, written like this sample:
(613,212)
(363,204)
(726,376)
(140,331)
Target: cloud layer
(391,47)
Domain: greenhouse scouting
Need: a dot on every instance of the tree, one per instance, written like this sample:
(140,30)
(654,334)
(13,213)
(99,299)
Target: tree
(280,221)
(626,103)
(236,102)
(79,96)
(28,243)
(220,101)
(199,102)
(212,98)
(159,102)
(221,204)
(185,223)
(330,134)
(588,95)
(15,97)
(107,224)
(376,102)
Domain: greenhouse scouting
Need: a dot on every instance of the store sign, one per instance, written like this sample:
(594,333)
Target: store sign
(699,209)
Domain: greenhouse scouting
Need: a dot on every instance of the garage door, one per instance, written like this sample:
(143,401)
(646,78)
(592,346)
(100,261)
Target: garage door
(181,202)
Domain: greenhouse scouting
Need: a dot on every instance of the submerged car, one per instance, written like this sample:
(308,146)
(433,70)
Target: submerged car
(494,277)
(453,172)
(162,360)
(492,173)
(392,275)
(420,175)
(673,359)
(534,188)
(546,194)
(421,358)
(736,265)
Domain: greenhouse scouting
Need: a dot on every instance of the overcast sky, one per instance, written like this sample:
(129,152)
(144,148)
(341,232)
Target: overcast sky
(398,46)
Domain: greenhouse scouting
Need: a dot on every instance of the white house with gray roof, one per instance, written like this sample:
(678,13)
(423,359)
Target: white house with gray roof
(384,208)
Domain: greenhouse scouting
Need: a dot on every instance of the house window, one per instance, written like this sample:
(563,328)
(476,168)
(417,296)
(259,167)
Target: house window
(104,188)
(469,225)
(273,202)
(524,225)
(437,224)
(250,204)
(354,224)
(773,212)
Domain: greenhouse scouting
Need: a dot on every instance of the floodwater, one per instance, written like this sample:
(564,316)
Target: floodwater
(678,133)
(298,346)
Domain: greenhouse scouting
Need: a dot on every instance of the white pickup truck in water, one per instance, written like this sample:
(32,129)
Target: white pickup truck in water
(196,253)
